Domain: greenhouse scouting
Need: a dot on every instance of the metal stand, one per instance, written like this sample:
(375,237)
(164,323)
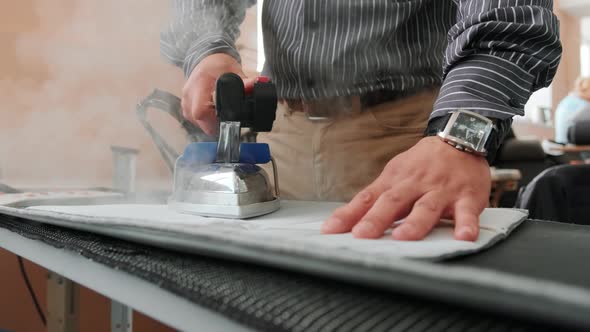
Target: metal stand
(62,304)
(124,168)
(121,317)
(124,171)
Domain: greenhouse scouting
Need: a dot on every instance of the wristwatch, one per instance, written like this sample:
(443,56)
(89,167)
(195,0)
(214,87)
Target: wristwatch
(470,132)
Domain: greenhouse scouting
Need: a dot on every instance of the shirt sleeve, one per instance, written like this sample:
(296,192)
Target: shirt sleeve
(200,28)
(499,52)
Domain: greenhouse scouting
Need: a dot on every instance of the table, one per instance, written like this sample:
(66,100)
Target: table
(582,150)
(122,287)
(503,180)
(572,148)
(187,291)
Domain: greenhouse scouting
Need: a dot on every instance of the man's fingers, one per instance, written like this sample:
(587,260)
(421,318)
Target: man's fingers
(344,218)
(197,99)
(199,107)
(392,205)
(467,213)
(202,110)
(424,216)
(202,115)
(249,84)
(208,122)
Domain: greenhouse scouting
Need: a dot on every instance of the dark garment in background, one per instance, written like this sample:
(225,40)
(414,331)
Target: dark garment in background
(560,193)
(579,132)
(489,55)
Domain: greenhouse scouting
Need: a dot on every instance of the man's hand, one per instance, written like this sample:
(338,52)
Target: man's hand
(197,92)
(430,181)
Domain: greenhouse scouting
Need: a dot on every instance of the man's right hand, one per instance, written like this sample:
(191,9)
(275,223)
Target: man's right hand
(197,106)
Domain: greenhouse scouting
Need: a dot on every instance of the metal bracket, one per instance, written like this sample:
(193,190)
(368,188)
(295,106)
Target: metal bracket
(275,172)
(121,317)
(62,304)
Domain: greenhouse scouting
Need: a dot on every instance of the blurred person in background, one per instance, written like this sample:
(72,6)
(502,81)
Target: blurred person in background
(577,102)
(366,86)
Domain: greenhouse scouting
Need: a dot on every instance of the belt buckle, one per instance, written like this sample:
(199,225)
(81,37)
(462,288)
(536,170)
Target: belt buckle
(326,110)
(317,118)
(309,108)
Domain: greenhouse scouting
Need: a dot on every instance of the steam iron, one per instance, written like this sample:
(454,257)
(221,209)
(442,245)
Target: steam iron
(223,178)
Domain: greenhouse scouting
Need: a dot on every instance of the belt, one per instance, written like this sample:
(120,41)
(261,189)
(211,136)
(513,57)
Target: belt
(331,107)
(326,108)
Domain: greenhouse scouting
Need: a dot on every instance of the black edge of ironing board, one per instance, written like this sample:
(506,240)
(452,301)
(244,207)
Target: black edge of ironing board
(491,299)
(540,249)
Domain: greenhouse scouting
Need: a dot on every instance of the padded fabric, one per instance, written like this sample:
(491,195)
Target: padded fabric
(268,299)
(295,228)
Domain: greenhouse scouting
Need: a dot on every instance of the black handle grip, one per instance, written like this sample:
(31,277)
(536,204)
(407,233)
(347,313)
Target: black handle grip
(229,98)
(264,99)
(256,110)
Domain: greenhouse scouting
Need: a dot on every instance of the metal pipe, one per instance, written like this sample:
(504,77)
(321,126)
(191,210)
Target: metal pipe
(228,148)
(124,168)
(276,177)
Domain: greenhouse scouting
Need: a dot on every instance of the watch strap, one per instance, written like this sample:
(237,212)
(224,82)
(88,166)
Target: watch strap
(499,131)
(436,125)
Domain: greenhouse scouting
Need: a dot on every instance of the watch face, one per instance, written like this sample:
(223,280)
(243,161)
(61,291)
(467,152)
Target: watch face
(470,129)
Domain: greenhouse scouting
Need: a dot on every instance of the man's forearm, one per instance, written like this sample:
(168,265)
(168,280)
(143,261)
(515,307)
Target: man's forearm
(200,28)
(500,52)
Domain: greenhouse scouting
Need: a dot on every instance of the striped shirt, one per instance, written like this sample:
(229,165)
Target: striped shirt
(487,56)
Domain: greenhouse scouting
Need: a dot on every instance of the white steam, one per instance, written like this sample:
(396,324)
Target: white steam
(76,74)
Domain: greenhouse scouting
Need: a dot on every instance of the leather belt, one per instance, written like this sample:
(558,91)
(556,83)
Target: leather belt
(328,108)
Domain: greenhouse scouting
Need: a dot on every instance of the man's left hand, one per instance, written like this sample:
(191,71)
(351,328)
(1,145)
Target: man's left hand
(430,181)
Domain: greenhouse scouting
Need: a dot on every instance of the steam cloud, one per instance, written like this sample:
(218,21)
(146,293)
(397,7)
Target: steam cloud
(80,70)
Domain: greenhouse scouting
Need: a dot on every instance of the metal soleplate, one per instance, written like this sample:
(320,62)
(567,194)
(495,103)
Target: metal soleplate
(226,211)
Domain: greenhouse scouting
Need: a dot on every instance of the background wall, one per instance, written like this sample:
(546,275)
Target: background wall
(570,13)
(569,68)
(69,87)
(71,73)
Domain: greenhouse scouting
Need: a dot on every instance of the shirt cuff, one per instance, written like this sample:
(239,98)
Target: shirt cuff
(485,84)
(206,46)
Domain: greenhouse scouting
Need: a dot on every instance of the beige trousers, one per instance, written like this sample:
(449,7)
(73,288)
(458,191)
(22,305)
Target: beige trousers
(335,159)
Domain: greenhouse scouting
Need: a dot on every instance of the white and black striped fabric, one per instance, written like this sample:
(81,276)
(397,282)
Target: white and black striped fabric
(488,55)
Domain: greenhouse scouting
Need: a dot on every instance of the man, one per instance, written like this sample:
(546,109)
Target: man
(359,81)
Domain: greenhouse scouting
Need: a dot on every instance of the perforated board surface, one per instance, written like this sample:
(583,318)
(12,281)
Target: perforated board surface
(270,299)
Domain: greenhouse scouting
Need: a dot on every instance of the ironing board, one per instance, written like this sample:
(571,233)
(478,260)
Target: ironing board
(324,296)
(294,230)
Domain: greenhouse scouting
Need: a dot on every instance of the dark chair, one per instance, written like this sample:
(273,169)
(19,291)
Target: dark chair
(560,193)
(525,155)
(579,132)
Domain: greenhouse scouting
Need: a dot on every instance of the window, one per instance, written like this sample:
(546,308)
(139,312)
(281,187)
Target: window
(585,58)
(538,108)
(585,48)
(260,40)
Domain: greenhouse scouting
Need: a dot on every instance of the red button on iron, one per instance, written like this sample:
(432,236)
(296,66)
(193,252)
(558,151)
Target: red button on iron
(249,88)
(262,79)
